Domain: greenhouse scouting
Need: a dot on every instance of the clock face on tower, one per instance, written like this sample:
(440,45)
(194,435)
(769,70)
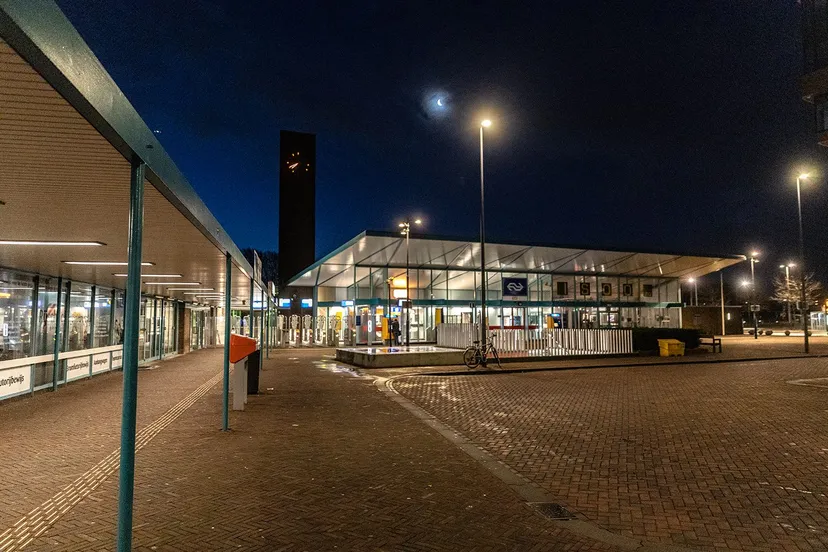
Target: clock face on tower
(296,163)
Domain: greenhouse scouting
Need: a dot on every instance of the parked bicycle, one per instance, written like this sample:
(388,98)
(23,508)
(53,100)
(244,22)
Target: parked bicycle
(475,355)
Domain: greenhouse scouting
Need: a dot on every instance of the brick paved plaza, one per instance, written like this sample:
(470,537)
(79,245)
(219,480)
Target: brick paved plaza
(692,456)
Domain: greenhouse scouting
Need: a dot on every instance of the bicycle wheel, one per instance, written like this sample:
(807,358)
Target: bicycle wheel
(471,357)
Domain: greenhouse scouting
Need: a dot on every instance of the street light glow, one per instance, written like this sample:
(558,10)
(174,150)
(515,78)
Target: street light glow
(691,280)
(803,176)
(745,283)
(486,123)
(418,221)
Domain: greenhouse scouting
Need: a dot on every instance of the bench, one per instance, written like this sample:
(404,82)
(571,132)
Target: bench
(711,341)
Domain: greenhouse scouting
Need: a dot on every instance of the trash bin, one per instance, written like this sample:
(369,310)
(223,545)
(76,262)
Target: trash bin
(254,362)
(670,347)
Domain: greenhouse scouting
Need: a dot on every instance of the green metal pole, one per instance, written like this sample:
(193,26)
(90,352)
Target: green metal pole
(126,478)
(267,350)
(261,322)
(228,271)
(250,322)
(161,352)
(58,324)
(92,321)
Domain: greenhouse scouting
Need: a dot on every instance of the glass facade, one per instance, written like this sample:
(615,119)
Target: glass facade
(453,296)
(16,315)
(91,324)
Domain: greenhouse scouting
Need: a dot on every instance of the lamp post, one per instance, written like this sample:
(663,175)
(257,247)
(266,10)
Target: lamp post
(753,261)
(406,230)
(485,123)
(787,268)
(802,259)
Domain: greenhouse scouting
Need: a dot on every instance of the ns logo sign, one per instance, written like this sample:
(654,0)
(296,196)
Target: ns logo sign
(515,288)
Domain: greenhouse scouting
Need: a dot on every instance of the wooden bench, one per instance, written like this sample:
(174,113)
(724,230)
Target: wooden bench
(711,341)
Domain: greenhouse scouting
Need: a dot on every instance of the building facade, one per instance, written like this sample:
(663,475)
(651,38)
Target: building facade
(360,286)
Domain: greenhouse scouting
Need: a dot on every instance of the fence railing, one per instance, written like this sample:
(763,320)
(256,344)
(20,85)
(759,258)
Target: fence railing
(552,342)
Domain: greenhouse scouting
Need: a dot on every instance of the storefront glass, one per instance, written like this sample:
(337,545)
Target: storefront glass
(103,311)
(77,330)
(16,292)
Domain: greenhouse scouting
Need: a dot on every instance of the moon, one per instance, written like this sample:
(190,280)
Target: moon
(440,102)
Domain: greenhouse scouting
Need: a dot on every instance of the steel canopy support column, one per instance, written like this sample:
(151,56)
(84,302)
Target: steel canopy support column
(126,479)
(57,334)
(250,325)
(721,299)
(161,340)
(228,270)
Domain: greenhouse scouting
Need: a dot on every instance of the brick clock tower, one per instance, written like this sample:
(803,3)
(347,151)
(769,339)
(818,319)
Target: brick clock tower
(297,209)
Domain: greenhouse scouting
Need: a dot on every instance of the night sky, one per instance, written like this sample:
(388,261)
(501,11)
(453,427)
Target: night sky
(657,125)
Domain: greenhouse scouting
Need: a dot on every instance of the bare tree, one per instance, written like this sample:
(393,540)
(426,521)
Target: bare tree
(791,292)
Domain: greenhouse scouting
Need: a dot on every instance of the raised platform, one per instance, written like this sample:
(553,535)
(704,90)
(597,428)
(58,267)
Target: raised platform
(396,357)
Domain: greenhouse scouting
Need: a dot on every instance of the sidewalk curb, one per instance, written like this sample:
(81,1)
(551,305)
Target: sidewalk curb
(627,365)
(525,489)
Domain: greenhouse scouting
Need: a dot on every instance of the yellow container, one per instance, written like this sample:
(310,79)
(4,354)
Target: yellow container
(670,347)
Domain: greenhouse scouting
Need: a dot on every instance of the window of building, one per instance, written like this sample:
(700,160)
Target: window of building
(627,290)
(16,291)
(77,327)
(562,288)
(103,311)
(647,290)
(118,324)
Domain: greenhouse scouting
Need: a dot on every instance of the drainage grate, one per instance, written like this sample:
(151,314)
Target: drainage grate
(551,510)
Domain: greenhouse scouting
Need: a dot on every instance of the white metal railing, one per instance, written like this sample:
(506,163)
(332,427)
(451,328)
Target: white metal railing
(541,342)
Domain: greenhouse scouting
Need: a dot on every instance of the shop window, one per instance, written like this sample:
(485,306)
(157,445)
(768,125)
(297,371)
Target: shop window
(103,309)
(15,315)
(46,322)
(118,324)
(77,329)
(562,288)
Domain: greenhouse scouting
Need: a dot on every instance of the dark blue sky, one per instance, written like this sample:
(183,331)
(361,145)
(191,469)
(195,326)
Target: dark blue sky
(629,124)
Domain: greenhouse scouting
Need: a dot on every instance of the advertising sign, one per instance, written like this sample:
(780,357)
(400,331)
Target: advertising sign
(100,363)
(515,289)
(14,381)
(77,367)
(307,303)
(584,288)
(117,359)
(284,303)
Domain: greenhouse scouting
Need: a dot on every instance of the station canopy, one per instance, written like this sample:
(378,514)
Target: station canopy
(434,260)
(67,136)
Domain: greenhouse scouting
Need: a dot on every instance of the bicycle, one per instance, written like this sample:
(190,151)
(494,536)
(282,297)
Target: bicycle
(474,355)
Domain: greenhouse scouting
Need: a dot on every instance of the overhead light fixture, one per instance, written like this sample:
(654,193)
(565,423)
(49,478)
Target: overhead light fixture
(188,289)
(151,275)
(53,242)
(172,283)
(103,263)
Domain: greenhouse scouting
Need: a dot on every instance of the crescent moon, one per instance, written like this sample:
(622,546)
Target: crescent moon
(440,102)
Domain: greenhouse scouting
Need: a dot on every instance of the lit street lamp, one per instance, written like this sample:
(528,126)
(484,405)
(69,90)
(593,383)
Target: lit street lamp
(695,289)
(753,306)
(485,123)
(406,230)
(802,259)
(787,268)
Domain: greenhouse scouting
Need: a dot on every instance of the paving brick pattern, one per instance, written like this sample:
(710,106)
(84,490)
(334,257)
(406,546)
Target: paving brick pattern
(319,461)
(710,456)
(51,439)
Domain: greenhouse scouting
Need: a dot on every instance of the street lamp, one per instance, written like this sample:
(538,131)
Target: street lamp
(787,268)
(802,259)
(485,123)
(753,261)
(405,231)
(695,289)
